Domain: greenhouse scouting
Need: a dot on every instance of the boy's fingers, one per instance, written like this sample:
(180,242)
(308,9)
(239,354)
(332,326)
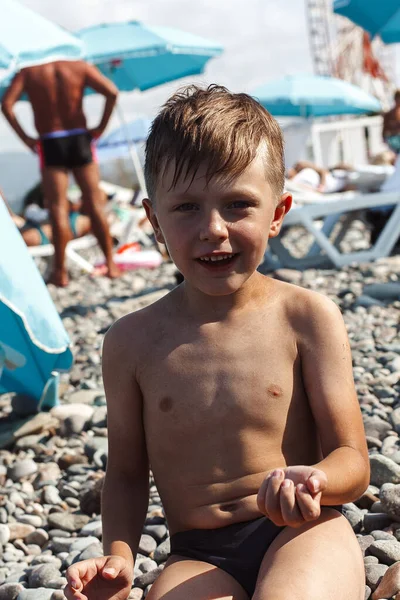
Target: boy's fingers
(317,482)
(112,567)
(309,507)
(272,497)
(289,509)
(261,494)
(72,594)
(74,578)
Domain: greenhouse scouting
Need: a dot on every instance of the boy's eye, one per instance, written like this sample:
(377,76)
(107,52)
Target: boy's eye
(186,207)
(240,204)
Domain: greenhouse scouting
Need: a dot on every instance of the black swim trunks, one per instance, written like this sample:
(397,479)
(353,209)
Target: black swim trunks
(238,549)
(66,149)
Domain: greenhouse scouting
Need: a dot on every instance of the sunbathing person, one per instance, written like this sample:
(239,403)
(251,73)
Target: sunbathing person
(311,176)
(55,91)
(36,234)
(391,125)
(236,388)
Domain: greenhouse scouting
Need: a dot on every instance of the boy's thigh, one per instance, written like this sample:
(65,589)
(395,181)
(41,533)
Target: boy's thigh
(184,579)
(320,560)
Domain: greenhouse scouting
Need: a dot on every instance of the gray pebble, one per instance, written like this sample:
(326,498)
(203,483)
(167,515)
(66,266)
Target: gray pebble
(68,521)
(387,551)
(21,469)
(147,544)
(39,537)
(374,573)
(162,551)
(383,470)
(41,575)
(36,594)
(10,591)
(93,551)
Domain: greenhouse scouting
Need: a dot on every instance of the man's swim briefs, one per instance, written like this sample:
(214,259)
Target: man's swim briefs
(237,549)
(66,149)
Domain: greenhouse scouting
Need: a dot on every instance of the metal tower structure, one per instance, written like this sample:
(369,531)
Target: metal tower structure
(341,49)
(320,36)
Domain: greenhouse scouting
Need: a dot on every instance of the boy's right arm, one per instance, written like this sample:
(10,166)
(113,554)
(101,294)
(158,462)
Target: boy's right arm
(126,487)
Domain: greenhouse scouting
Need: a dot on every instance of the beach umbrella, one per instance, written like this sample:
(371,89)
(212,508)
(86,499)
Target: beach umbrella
(27,38)
(34,345)
(314,96)
(114,144)
(378,18)
(139,57)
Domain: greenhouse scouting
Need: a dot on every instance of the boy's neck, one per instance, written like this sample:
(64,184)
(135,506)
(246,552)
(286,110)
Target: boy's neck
(207,308)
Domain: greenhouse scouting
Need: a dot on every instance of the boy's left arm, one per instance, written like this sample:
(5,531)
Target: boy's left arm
(328,380)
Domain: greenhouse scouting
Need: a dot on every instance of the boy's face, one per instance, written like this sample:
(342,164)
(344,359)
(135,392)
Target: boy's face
(217,234)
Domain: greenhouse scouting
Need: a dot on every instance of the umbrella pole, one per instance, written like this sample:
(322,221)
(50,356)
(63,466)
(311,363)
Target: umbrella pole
(132,151)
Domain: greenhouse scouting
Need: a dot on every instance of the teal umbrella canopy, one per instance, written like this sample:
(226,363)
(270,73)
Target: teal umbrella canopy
(138,57)
(33,341)
(27,38)
(314,96)
(115,145)
(377,17)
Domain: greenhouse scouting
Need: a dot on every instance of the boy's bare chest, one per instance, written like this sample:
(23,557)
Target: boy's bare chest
(243,376)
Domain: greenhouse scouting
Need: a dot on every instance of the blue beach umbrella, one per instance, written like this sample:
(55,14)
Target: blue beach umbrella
(378,18)
(314,96)
(115,145)
(33,342)
(138,57)
(27,38)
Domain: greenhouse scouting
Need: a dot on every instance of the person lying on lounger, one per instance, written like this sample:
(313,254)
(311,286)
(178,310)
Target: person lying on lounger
(36,234)
(319,179)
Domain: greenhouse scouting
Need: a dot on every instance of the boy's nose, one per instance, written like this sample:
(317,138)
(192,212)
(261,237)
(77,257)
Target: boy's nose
(213,228)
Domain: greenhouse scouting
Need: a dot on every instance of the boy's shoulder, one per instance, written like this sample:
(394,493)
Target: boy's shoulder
(306,308)
(139,327)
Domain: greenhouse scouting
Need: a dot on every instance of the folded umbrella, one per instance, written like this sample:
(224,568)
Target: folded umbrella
(33,342)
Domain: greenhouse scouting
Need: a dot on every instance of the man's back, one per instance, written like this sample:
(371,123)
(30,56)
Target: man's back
(55,91)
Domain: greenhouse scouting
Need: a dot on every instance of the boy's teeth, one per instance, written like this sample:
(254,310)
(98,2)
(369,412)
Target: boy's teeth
(216,258)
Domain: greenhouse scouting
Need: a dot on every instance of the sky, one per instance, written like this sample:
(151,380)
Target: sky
(262,40)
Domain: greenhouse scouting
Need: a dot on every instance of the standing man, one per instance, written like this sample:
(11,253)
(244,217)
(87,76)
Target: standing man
(55,91)
(391,125)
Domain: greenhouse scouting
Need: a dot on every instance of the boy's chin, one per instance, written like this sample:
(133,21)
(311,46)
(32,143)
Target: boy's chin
(218,288)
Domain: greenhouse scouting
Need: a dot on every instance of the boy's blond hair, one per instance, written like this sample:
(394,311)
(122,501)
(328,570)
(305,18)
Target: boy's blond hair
(215,127)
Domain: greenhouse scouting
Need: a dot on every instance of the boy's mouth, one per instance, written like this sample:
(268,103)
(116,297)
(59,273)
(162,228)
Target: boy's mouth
(217,261)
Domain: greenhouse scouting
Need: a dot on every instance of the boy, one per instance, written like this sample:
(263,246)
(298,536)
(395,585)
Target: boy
(237,389)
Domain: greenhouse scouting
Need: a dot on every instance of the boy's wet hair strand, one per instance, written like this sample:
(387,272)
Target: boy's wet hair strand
(215,127)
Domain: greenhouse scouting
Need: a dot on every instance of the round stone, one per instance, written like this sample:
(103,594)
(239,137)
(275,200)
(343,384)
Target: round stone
(21,469)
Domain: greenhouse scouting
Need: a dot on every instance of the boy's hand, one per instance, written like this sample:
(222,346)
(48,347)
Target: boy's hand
(104,578)
(292,496)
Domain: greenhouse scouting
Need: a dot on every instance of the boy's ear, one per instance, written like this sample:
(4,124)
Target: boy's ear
(152,217)
(281,210)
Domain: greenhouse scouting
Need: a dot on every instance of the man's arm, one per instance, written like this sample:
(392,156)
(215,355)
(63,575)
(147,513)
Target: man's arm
(328,379)
(100,84)
(13,93)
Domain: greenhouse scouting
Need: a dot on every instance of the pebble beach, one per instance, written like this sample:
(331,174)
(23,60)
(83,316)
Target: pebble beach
(52,464)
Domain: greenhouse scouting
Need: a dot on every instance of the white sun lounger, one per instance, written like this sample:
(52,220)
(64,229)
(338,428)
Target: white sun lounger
(331,212)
